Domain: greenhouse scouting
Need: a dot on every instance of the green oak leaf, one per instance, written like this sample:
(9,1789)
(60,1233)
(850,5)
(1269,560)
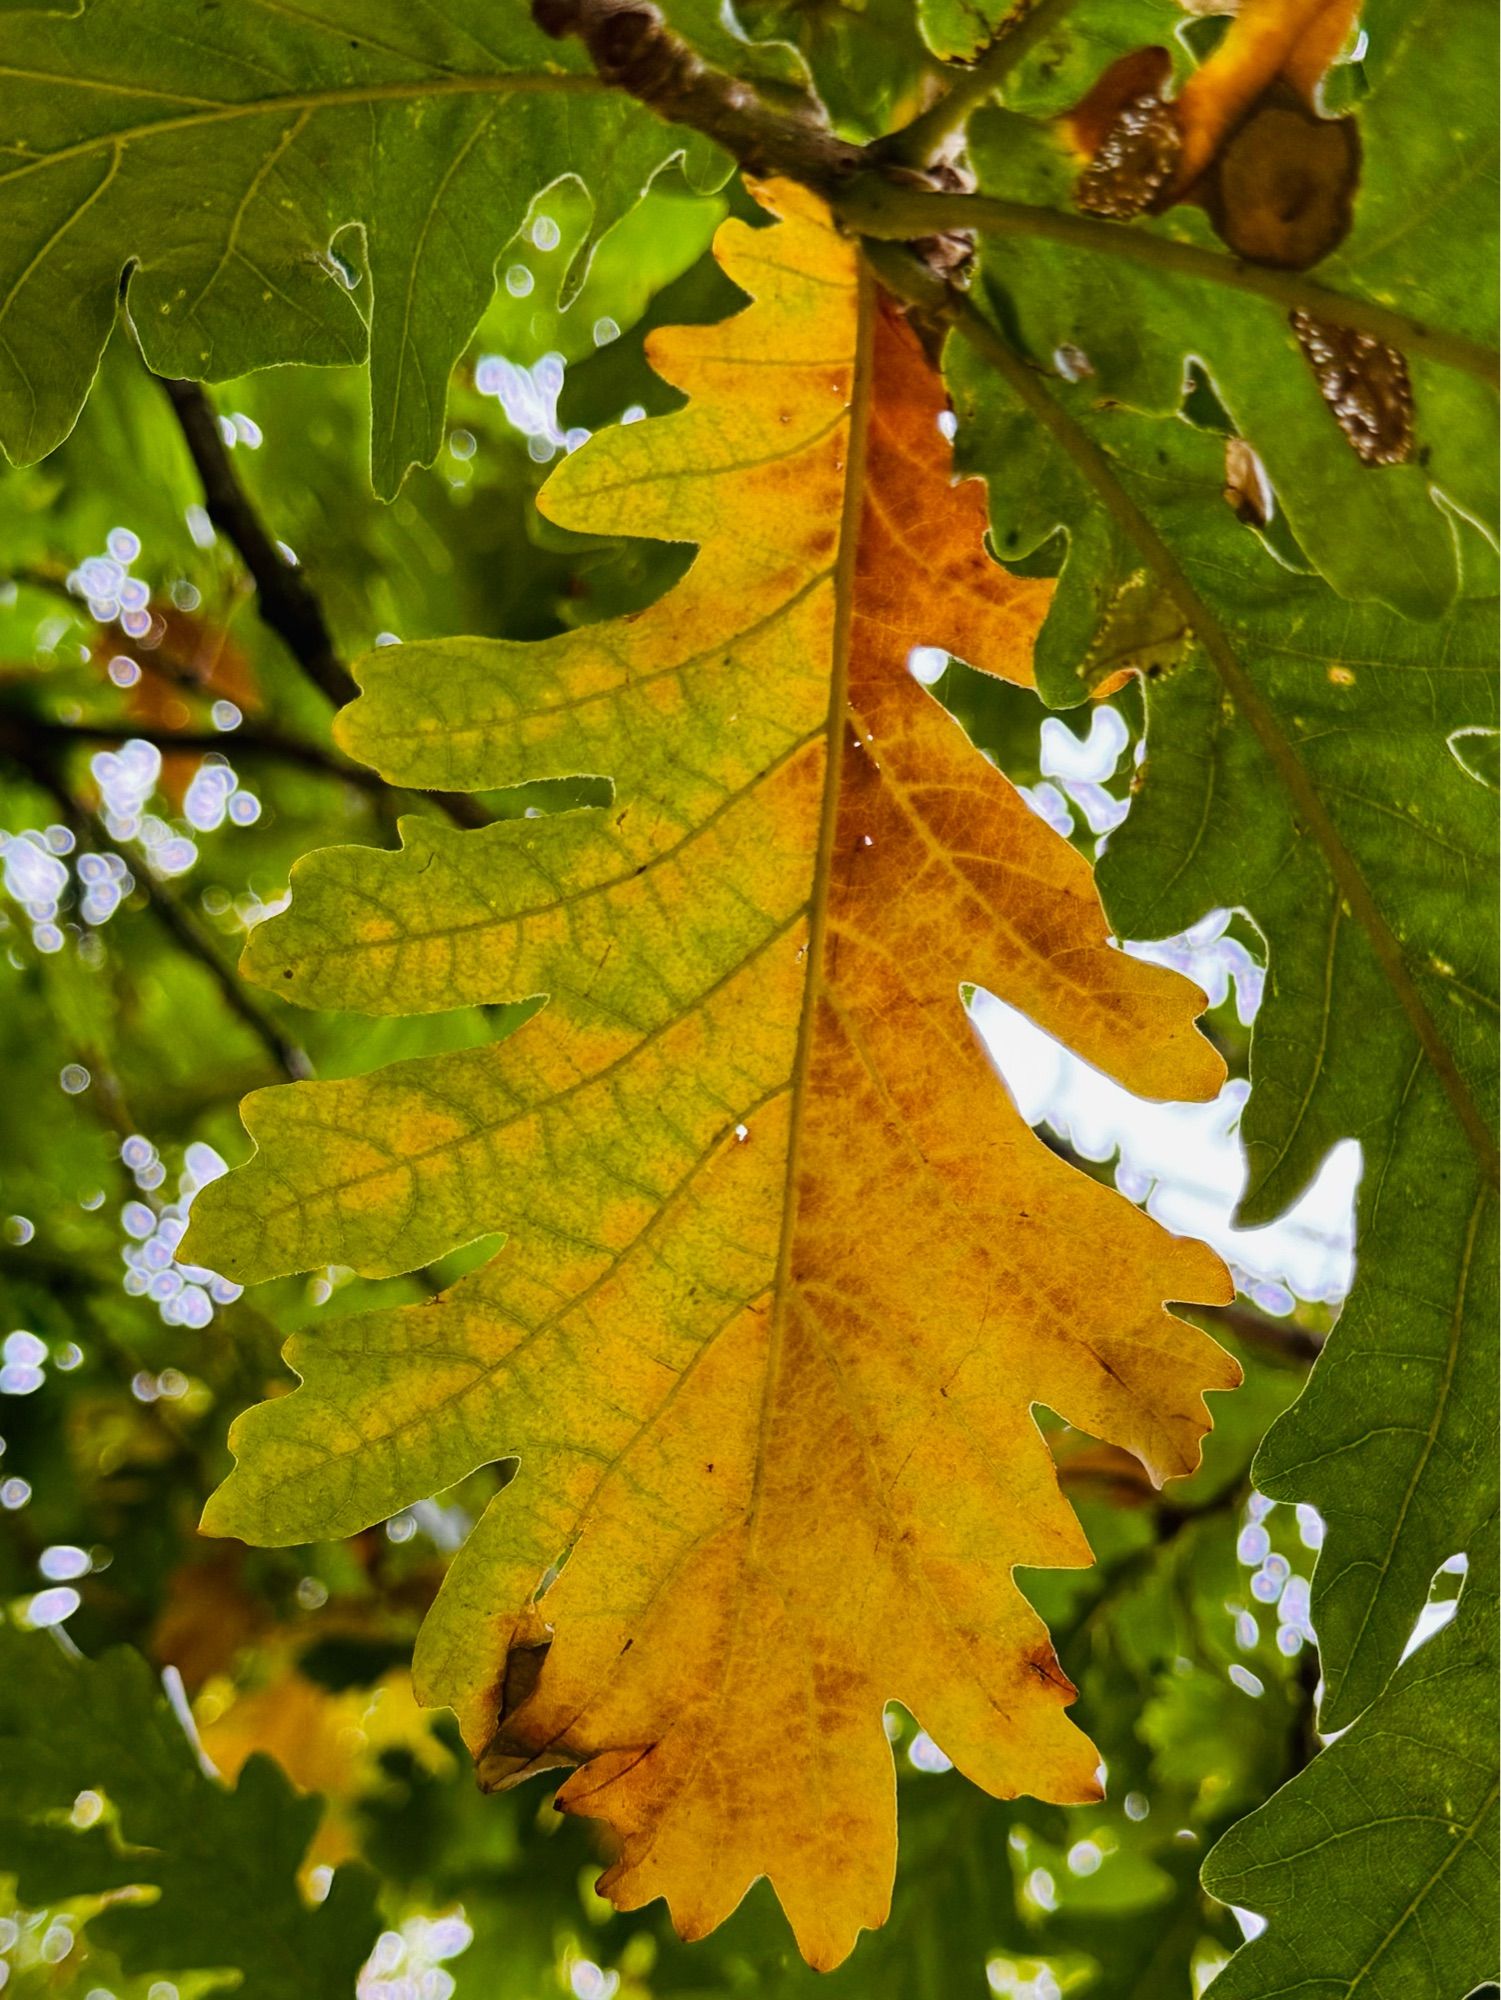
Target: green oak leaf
(1392,1440)
(1064,46)
(1128,325)
(1299,766)
(1377,1864)
(1068,47)
(866,57)
(276,187)
(959,30)
(227,1897)
(774,66)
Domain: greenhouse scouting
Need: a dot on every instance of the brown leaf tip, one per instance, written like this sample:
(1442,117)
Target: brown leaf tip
(1043,1662)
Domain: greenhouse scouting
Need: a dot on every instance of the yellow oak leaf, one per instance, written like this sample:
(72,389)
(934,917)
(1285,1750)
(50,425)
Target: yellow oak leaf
(328,1743)
(786,1272)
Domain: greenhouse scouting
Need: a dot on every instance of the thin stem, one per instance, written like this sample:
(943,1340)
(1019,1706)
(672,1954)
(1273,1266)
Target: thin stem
(909,279)
(179,926)
(923,140)
(1283,1338)
(254,741)
(1171,1521)
(285,598)
(248,741)
(879,208)
(65,1276)
(27,751)
(633,48)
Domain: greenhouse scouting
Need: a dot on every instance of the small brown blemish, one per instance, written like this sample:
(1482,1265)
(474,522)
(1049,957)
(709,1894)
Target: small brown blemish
(1248,491)
(1365,384)
(1136,162)
(1043,1662)
(523,1670)
(1130,135)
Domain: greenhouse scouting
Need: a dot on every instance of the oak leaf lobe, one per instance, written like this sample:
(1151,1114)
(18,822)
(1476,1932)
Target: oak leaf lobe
(787,1270)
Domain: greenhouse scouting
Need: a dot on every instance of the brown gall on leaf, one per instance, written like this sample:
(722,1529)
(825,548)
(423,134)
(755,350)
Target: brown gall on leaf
(1282,189)
(1142,633)
(1130,135)
(1270,45)
(1366,386)
(1243,139)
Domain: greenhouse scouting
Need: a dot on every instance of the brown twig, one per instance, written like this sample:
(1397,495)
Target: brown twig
(632,47)
(1283,1338)
(884,191)
(80,1283)
(251,740)
(285,598)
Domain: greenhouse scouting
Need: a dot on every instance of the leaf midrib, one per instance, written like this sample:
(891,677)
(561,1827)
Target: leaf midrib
(1460,1845)
(861,389)
(500,83)
(1337,1678)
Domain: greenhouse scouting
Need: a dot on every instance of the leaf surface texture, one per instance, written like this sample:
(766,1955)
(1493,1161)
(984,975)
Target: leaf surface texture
(228,1898)
(1306,763)
(786,1271)
(355,171)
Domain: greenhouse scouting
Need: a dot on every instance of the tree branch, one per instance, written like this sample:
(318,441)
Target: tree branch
(26,751)
(285,598)
(928,135)
(283,594)
(632,47)
(883,190)
(249,740)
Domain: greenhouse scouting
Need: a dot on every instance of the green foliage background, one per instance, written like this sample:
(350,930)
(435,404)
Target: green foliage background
(363,221)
